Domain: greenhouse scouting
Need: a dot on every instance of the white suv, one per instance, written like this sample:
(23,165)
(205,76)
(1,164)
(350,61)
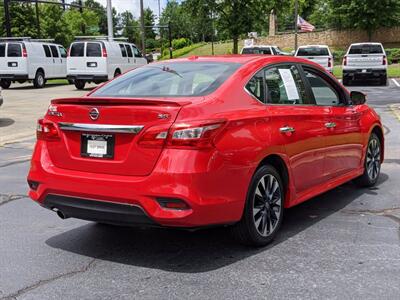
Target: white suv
(365,61)
(99,59)
(320,54)
(26,59)
(263,49)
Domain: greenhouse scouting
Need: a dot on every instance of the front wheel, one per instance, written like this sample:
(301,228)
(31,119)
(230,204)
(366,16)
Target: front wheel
(263,212)
(372,163)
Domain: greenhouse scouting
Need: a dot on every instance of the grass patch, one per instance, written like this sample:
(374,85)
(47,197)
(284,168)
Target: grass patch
(392,72)
(183,51)
(57,81)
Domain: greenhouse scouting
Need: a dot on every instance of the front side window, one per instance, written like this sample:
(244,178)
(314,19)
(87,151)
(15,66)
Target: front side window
(63,53)
(324,93)
(14,50)
(93,50)
(137,52)
(54,51)
(285,86)
(169,80)
(77,49)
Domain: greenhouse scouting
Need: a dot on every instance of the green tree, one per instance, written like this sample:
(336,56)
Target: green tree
(149,21)
(129,27)
(365,15)
(23,20)
(53,24)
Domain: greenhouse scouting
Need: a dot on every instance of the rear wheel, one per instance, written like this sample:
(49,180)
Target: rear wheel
(79,84)
(372,163)
(263,211)
(39,80)
(5,83)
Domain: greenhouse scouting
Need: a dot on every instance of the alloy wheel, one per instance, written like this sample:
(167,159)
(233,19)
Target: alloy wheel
(267,205)
(373,162)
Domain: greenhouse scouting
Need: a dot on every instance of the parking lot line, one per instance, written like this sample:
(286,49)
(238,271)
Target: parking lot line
(395,82)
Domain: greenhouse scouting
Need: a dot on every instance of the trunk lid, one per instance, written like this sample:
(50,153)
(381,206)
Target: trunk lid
(321,60)
(129,158)
(365,60)
(12,61)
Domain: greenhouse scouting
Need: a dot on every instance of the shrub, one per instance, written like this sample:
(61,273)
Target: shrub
(181,43)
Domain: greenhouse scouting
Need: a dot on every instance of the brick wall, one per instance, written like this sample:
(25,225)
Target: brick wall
(334,38)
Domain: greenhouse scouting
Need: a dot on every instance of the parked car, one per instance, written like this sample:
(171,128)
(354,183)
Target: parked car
(200,141)
(365,61)
(263,49)
(320,54)
(26,59)
(92,59)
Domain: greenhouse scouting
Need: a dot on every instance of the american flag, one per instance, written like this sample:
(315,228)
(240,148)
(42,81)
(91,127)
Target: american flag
(304,25)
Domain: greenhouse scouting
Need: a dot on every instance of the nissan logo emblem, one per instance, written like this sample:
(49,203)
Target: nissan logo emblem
(94,114)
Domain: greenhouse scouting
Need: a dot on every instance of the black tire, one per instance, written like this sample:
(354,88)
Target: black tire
(39,81)
(372,160)
(70,81)
(117,73)
(79,84)
(383,80)
(247,231)
(5,83)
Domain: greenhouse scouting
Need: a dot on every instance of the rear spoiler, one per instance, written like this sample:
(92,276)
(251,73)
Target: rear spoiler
(119,101)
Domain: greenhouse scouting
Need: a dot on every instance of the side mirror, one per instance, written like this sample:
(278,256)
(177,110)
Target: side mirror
(358,98)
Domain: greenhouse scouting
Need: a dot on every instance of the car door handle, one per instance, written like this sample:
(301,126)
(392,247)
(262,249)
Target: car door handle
(286,129)
(330,125)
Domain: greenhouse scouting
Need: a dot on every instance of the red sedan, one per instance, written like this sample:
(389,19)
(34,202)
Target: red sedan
(228,140)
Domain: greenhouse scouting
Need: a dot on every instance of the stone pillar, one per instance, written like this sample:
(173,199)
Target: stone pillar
(272,23)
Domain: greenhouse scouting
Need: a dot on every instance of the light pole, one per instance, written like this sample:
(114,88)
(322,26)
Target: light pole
(296,17)
(142,27)
(109,21)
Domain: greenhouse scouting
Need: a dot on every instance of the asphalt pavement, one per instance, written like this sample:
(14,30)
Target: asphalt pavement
(344,244)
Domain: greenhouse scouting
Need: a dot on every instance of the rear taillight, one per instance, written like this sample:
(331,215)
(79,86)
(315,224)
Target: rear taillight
(24,53)
(330,62)
(104,52)
(345,61)
(198,135)
(46,131)
(384,62)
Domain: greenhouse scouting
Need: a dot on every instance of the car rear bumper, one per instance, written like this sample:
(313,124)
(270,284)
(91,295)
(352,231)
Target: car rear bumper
(88,77)
(364,73)
(214,194)
(14,76)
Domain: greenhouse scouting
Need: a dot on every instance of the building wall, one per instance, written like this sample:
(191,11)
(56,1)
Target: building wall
(334,38)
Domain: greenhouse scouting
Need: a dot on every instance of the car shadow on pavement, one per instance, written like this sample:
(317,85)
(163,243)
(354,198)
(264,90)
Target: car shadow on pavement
(4,122)
(200,251)
(31,87)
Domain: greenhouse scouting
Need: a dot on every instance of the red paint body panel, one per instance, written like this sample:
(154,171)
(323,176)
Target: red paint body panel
(213,181)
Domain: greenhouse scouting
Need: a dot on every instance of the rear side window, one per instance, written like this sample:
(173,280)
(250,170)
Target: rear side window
(62,51)
(54,51)
(2,50)
(77,49)
(256,51)
(93,50)
(169,80)
(129,50)
(366,49)
(123,50)
(47,51)
(313,51)
(14,50)
(256,86)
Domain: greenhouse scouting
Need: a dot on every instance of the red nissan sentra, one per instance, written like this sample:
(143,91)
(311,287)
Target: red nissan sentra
(224,140)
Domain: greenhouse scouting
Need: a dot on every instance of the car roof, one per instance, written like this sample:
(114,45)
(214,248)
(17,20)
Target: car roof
(317,46)
(259,46)
(242,59)
(366,43)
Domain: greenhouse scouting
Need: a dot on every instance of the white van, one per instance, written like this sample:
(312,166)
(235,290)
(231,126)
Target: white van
(320,54)
(92,59)
(25,59)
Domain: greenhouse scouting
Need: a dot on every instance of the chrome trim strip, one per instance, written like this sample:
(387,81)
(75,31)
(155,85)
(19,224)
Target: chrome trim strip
(100,127)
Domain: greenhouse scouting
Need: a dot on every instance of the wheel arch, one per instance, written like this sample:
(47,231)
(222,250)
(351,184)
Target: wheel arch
(281,166)
(42,70)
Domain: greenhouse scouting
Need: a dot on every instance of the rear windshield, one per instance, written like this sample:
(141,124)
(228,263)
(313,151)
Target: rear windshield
(77,49)
(256,51)
(366,49)
(313,51)
(2,50)
(14,50)
(169,80)
(93,50)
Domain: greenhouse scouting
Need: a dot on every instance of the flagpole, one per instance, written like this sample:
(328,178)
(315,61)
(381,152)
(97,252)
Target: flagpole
(296,16)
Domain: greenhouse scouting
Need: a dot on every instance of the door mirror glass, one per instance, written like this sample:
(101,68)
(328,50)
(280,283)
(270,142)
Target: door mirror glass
(358,98)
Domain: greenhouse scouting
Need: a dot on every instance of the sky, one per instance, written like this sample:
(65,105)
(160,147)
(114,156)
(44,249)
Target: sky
(133,5)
